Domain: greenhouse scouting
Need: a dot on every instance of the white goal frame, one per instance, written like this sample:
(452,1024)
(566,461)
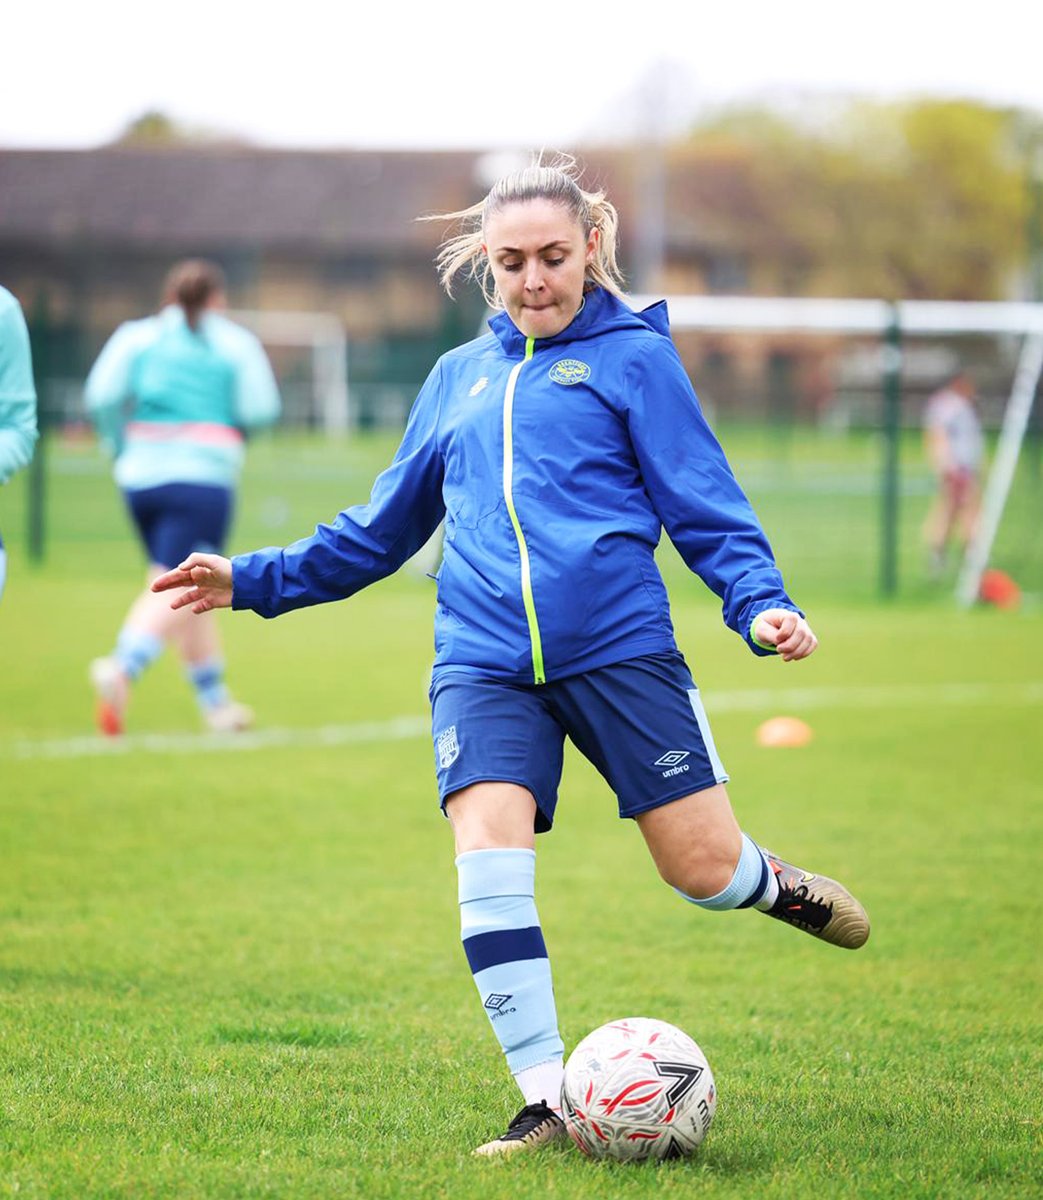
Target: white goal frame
(910,318)
(324,335)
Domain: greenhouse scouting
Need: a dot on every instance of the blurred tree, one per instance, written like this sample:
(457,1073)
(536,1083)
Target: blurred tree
(1029,138)
(157,128)
(918,200)
(151,127)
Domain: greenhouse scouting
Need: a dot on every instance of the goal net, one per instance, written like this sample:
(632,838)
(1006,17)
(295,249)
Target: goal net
(309,354)
(829,363)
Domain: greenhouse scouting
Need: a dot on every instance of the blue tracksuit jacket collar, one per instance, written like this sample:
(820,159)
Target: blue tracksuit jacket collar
(601,313)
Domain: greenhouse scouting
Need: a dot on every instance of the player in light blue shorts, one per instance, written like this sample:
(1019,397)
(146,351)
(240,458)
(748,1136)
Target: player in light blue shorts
(18,431)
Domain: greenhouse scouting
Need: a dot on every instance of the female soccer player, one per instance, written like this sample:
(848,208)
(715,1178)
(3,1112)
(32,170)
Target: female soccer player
(17,398)
(955,448)
(171,396)
(557,447)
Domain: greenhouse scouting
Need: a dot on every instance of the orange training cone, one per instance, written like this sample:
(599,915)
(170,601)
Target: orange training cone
(784,731)
(998,588)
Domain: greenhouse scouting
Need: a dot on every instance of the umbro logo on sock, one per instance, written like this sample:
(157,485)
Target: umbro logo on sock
(496,1005)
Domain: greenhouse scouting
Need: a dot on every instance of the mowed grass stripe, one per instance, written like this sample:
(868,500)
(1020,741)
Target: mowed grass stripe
(240,975)
(415,726)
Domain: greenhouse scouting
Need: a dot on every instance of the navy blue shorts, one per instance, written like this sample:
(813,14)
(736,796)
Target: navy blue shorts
(640,722)
(177,518)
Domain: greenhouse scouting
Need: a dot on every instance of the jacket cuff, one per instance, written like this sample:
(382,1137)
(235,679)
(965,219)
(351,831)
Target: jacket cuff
(241,581)
(754,641)
(756,646)
(759,648)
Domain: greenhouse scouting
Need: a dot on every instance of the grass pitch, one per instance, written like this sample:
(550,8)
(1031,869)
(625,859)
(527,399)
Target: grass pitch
(235,972)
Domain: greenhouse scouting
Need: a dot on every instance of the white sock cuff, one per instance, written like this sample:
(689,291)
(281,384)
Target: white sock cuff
(500,872)
(542,1082)
(746,877)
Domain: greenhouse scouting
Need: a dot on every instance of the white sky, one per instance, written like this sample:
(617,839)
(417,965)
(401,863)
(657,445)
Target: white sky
(461,73)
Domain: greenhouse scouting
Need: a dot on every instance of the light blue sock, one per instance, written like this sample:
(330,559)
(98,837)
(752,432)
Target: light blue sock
(208,679)
(136,650)
(504,944)
(749,885)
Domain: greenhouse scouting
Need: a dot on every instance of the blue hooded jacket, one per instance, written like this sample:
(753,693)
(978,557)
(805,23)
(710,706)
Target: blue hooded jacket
(556,463)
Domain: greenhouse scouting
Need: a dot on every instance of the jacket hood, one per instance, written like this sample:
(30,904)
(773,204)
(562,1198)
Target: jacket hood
(602,312)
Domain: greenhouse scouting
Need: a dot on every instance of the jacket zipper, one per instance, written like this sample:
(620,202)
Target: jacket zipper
(538,672)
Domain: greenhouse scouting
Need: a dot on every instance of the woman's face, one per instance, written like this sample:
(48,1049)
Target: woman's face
(539,255)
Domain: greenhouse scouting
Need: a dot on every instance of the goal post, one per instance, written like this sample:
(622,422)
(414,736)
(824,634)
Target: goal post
(1012,434)
(321,335)
(892,323)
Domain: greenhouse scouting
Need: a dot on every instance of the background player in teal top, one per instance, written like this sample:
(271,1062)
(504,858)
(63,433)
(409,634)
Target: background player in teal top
(17,398)
(172,396)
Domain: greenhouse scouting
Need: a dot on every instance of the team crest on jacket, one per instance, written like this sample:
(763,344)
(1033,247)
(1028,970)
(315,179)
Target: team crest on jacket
(568,371)
(448,747)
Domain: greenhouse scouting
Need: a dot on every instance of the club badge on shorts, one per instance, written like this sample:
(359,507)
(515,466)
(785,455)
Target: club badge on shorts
(448,747)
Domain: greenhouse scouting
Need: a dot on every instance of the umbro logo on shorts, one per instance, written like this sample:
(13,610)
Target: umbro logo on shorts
(671,758)
(674,761)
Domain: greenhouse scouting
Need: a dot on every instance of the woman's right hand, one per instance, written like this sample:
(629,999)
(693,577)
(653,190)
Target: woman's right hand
(206,578)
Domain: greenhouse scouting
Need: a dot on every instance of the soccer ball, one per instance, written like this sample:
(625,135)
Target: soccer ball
(638,1088)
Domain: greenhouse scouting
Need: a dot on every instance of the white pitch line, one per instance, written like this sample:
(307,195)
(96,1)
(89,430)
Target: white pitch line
(394,730)
(397,729)
(897,696)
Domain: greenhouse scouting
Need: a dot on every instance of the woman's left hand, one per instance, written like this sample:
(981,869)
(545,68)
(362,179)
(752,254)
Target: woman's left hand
(787,631)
